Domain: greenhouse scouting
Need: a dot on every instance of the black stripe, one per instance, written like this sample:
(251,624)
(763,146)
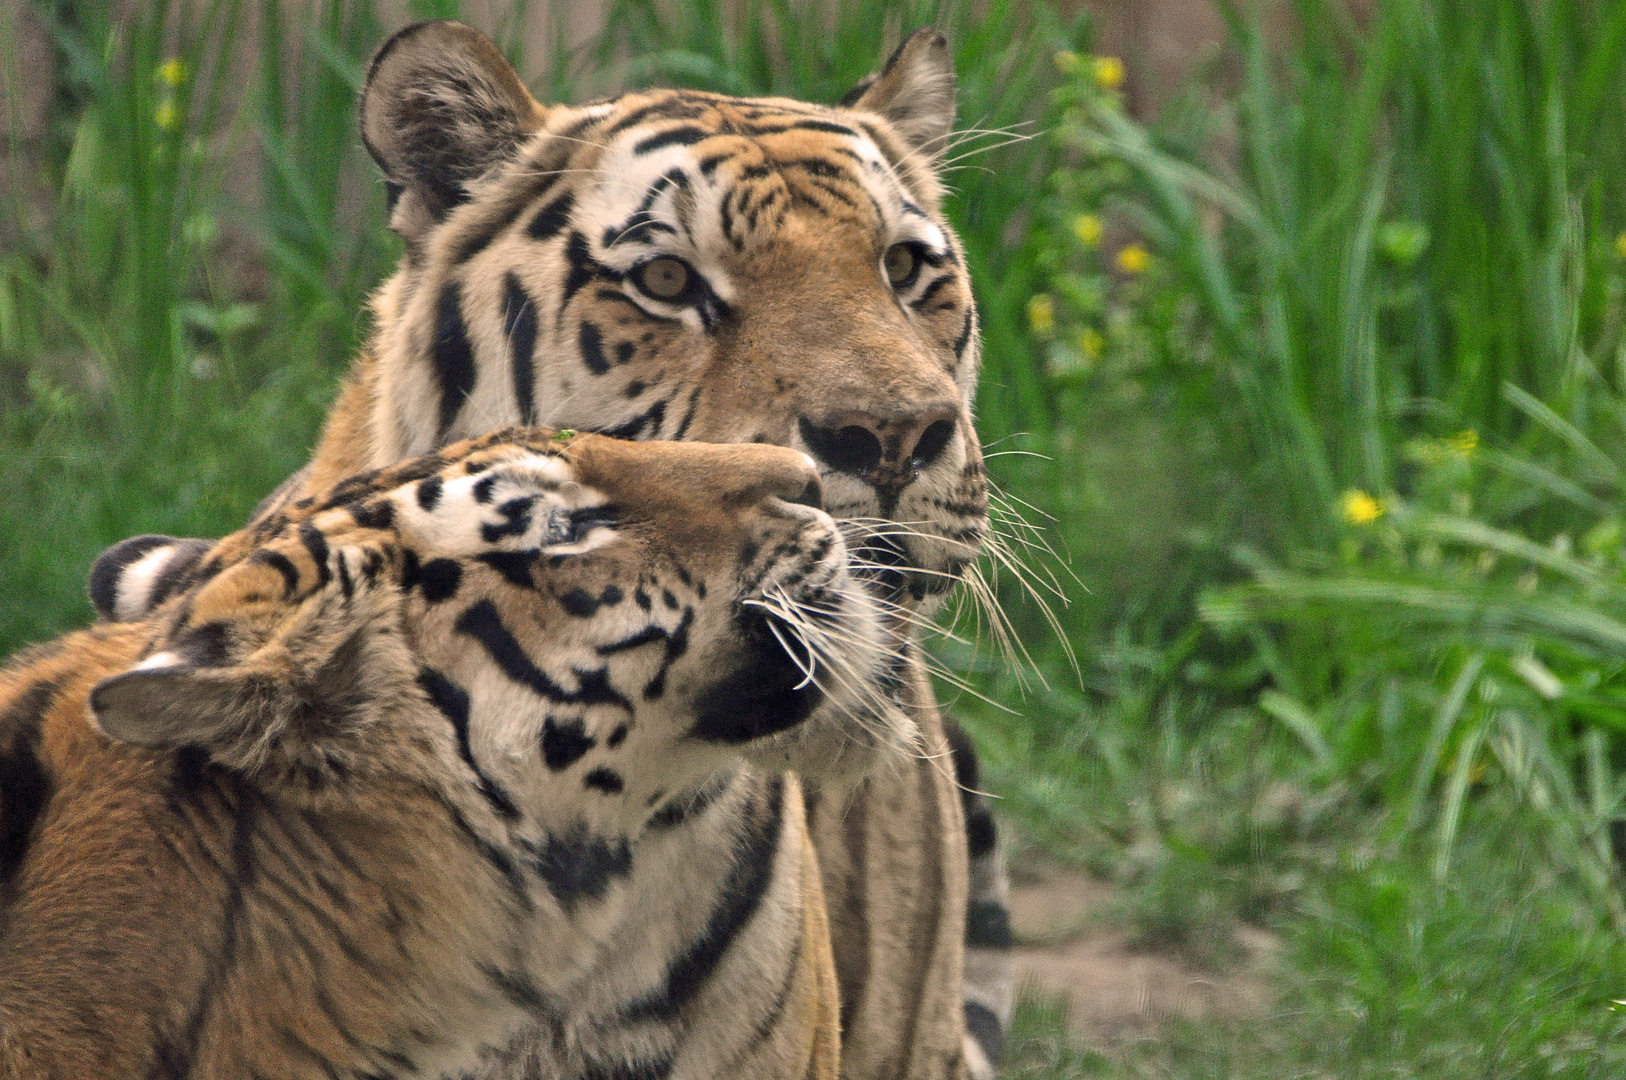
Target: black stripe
(655,1069)
(514,566)
(316,546)
(983,1025)
(965,336)
(25,787)
(519,324)
(592,348)
(931,290)
(583,269)
(748,878)
(564,742)
(501,214)
(987,925)
(453,702)
(477,241)
(678,136)
(605,779)
(551,220)
(454,357)
(174,1055)
(649,420)
(808,125)
(776,1008)
(579,865)
(665,109)
(279,562)
(484,624)
(429,491)
(516,986)
(498,859)
(439,578)
(516,514)
(688,415)
(641,223)
(685,805)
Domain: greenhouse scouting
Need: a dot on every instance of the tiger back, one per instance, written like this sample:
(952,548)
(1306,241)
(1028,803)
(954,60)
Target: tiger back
(487,742)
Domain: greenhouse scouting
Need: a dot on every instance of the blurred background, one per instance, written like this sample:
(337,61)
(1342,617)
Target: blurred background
(1304,361)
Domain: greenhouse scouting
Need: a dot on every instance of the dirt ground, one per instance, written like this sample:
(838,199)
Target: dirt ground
(1068,945)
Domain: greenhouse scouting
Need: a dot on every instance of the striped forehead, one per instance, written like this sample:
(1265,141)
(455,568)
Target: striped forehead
(665,187)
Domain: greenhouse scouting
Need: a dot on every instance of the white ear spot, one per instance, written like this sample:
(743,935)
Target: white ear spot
(136,582)
(810,462)
(158,660)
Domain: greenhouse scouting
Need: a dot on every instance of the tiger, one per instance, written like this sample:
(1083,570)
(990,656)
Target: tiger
(490,742)
(682,265)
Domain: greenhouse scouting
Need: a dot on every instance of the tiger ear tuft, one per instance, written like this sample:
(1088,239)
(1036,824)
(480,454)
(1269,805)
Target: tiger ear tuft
(914,92)
(441,105)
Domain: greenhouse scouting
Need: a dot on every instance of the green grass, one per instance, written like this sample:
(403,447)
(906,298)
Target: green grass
(1386,973)
(1396,742)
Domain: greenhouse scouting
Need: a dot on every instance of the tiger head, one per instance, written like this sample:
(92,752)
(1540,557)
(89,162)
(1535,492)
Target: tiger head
(681,265)
(568,619)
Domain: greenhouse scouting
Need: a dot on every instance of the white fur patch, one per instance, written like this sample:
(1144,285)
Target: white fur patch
(516,505)
(136,583)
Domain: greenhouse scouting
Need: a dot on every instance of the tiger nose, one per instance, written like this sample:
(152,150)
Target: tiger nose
(886,451)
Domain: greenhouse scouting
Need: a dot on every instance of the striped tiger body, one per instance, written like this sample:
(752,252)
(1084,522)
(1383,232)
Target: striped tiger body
(679,265)
(482,745)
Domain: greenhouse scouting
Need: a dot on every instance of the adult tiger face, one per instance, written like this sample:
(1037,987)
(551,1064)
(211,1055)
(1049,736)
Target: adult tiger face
(681,265)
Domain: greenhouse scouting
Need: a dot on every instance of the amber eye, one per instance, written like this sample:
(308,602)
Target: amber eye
(665,278)
(900,263)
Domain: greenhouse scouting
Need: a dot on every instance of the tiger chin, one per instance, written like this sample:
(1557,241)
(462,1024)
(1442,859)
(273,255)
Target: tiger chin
(441,755)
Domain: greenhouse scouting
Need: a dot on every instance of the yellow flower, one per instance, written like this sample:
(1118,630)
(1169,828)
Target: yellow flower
(172,72)
(1620,245)
(1092,343)
(1465,442)
(1042,314)
(1359,508)
(1087,227)
(1108,72)
(167,115)
(1134,259)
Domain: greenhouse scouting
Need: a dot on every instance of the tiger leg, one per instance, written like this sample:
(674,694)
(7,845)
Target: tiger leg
(892,853)
(988,976)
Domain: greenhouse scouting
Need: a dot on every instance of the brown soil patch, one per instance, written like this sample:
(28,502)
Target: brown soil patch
(1067,945)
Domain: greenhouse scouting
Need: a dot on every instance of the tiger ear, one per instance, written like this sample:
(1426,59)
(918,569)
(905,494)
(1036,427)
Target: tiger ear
(914,92)
(440,106)
(165,702)
(244,713)
(134,576)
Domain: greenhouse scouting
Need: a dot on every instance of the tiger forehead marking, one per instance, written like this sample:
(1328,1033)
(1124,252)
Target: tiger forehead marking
(685,265)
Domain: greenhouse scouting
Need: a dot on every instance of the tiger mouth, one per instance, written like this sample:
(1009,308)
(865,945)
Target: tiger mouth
(883,564)
(769,692)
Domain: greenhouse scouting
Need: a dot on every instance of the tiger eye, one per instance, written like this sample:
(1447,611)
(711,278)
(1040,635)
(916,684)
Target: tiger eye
(899,263)
(665,278)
